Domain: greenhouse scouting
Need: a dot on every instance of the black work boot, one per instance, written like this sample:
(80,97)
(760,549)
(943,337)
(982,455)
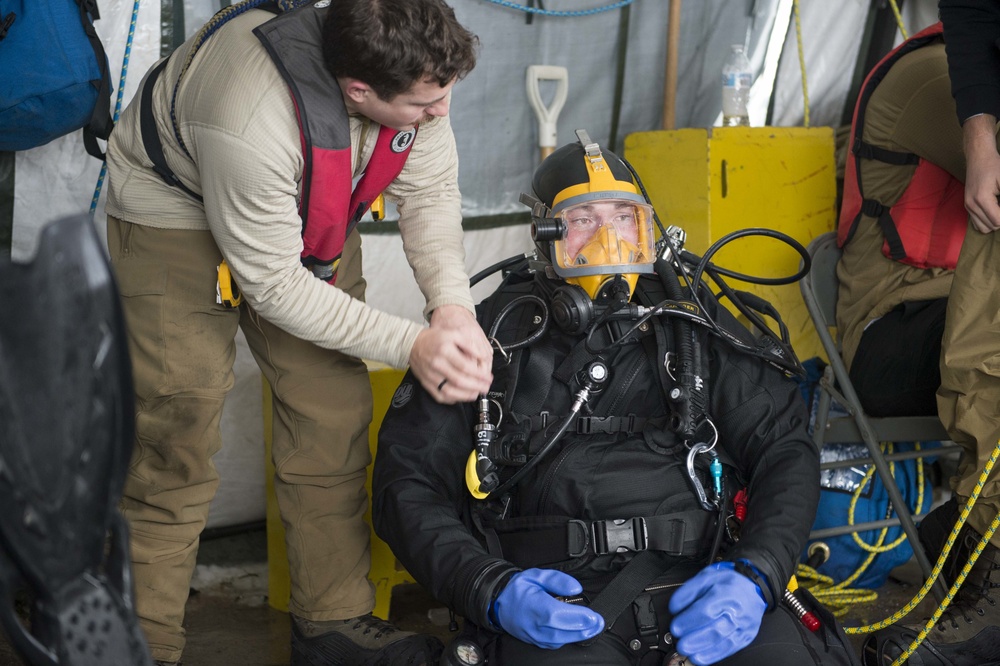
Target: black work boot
(361,641)
(968,633)
(934,531)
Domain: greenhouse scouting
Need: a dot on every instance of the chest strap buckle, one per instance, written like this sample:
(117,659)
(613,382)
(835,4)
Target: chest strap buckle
(619,535)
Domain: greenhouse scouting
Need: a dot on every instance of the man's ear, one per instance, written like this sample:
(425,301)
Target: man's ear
(355,90)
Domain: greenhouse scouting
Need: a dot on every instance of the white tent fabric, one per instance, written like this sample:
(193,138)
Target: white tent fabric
(496,130)
(831,38)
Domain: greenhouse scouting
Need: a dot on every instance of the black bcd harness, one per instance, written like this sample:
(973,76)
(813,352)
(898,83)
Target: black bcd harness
(524,380)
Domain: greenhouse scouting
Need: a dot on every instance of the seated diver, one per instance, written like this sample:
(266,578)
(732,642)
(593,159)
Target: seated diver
(583,510)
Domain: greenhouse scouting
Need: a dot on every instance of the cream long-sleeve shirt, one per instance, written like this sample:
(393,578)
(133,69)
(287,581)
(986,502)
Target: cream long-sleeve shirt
(237,120)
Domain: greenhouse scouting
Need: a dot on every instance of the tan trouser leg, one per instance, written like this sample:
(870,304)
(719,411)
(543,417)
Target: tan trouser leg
(322,408)
(969,397)
(182,348)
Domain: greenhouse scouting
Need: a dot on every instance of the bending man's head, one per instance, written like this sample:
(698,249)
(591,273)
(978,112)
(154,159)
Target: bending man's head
(393,44)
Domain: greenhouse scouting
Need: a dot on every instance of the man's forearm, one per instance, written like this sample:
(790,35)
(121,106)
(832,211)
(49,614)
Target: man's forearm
(979,136)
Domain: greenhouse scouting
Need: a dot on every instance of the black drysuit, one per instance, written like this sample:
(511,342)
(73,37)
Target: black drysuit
(620,461)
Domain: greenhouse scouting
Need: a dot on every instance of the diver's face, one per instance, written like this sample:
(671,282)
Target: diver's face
(585,221)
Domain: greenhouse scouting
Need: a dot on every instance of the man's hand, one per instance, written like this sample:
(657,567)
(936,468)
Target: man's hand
(452,359)
(982,172)
(457,318)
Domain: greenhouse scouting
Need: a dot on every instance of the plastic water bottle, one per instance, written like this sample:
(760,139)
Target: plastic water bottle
(736,80)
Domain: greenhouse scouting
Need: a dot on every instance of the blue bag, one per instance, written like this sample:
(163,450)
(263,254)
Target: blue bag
(55,74)
(846,556)
(837,486)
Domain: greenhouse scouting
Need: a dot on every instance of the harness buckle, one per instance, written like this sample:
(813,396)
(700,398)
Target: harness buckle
(577,538)
(619,535)
(588,425)
(872,208)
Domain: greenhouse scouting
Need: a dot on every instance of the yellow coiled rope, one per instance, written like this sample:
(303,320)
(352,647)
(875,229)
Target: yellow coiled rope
(939,565)
(840,596)
(935,572)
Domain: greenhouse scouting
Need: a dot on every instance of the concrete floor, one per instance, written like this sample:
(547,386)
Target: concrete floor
(229,621)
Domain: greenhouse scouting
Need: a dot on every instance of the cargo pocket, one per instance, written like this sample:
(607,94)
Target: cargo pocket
(142,287)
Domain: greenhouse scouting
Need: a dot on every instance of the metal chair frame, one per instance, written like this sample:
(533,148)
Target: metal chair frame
(819,291)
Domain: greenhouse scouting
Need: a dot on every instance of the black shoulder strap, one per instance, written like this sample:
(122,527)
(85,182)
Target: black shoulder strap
(151,137)
(518,284)
(659,345)
(864,150)
(883,215)
(100,124)
(147,121)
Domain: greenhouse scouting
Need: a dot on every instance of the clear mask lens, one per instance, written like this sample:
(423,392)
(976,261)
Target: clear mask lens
(612,233)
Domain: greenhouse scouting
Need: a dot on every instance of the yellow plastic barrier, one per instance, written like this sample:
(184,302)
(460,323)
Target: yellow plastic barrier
(713,182)
(386,571)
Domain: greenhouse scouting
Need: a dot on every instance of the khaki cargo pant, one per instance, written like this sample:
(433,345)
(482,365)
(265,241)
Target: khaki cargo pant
(915,95)
(182,348)
(969,397)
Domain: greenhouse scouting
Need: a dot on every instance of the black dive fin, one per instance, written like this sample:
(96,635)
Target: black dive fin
(66,431)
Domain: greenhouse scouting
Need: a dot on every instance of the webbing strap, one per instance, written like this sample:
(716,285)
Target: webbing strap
(537,541)
(869,151)
(535,379)
(617,595)
(100,124)
(882,214)
(151,137)
(589,425)
(592,425)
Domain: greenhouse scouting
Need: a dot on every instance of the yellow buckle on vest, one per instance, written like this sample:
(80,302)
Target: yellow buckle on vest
(378,208)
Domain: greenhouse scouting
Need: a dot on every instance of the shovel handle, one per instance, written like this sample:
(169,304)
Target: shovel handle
(547,115)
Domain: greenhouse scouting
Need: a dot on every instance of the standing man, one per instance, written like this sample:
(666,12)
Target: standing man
(241,172)
(967,634)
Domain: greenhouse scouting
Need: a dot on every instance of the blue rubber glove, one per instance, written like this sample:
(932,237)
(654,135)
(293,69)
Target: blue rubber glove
(526,610)
(716,614)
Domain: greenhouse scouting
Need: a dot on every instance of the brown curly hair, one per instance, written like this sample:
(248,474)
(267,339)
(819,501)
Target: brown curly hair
(392,44)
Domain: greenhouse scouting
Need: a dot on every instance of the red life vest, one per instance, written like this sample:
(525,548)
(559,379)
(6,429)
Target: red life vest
(328,207)
(926,227)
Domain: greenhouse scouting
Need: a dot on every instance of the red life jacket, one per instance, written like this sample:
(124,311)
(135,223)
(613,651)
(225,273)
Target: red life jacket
(926,227)
(328,207)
